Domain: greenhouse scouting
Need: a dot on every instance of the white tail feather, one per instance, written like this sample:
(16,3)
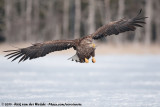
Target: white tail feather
(74,58)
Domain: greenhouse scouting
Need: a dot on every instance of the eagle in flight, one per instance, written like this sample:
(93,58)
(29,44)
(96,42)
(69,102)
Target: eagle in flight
(85,47)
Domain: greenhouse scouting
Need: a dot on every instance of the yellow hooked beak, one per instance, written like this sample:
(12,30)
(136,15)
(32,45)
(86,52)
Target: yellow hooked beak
(93,45)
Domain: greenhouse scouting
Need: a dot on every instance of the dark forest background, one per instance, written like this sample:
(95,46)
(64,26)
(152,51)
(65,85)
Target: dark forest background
(41,20)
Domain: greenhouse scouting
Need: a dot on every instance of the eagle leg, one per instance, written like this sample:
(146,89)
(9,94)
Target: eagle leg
(93,60)
(93,55)
(86,60)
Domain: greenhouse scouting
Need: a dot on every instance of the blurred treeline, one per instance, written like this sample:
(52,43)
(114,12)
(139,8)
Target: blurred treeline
(41,20)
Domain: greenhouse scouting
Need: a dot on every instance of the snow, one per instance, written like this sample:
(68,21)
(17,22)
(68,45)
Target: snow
(114,80)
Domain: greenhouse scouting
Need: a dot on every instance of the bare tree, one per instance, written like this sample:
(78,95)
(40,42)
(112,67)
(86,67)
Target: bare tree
(121,8)
(77,18)
(58,25)
(137,35)
(107,11)
(22,21)
(50,21)
(157,19)
(36,19)
(101,10)
(8,11)
(28,20)
(66,19)
(148,27)
(58,32)
(91,17)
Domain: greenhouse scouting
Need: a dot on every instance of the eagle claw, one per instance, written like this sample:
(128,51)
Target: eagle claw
(86,60)
(93,60)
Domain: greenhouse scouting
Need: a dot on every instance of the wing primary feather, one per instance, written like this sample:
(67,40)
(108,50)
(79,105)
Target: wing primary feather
(17,57)
(22,58)
(138,25)
(13,55)
(9,50)
(140,11)
(140,22)
(140,18)
(26,57)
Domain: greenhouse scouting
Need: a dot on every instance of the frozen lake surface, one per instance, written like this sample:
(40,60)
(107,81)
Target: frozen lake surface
(113,81)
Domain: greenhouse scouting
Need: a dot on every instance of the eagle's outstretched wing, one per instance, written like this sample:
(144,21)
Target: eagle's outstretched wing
(120,26)
(40,49)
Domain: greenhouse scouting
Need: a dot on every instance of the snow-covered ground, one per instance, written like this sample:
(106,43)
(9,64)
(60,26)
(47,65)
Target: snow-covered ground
(113,81)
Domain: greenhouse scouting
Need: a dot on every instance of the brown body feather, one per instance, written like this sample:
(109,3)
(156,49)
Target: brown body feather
(82,46)
(84,49)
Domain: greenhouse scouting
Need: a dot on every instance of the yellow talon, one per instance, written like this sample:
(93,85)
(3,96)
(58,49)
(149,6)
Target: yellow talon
(86,60)
(93,60)
(93,45)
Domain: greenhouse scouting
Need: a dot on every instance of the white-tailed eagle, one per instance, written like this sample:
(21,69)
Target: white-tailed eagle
(85,48)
